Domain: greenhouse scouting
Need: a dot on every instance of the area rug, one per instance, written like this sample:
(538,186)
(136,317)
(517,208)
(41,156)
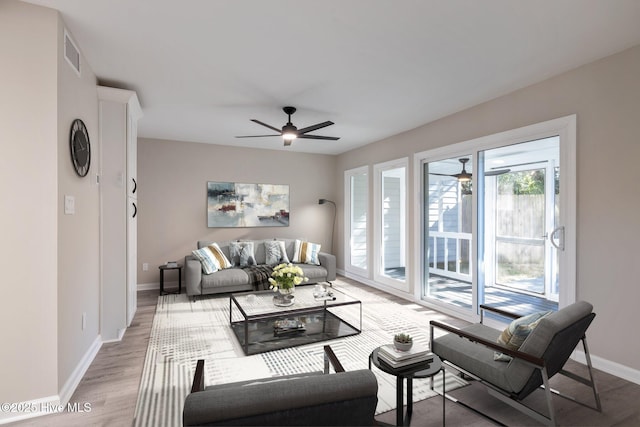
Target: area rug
(184,331)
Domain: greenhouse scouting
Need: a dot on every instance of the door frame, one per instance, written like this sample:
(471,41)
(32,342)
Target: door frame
(565,128)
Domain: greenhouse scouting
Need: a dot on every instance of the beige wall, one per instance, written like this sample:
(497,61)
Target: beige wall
(172,183)
(29,208)
(78,234)
(50,260)
(605,95)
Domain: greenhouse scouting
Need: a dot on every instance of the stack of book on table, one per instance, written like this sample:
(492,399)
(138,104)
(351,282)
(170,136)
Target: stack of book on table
(287,326)
(397,359)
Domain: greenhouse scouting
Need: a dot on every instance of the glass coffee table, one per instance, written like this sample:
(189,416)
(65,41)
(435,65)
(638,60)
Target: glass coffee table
(262,326)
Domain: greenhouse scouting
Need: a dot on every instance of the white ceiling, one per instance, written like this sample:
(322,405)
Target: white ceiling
(203,68)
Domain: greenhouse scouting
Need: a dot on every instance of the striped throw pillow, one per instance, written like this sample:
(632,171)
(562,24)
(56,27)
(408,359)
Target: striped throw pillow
(212,258)
(518,330)
(306,253)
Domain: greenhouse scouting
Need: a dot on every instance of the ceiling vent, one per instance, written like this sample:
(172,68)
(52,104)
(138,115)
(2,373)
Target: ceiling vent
(71,53)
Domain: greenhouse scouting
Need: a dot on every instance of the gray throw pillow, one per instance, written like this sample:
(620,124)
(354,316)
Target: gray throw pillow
(276,252)
(242,254)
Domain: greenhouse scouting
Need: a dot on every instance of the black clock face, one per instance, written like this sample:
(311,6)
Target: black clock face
(80,147)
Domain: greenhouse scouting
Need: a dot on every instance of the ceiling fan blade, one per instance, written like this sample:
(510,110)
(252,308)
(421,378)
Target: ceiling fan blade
(314,127)
(254,136)
(266,125)
(442,174)
(330,138)
(497,172)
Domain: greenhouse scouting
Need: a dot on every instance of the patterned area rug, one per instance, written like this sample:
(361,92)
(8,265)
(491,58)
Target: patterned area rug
(184,331)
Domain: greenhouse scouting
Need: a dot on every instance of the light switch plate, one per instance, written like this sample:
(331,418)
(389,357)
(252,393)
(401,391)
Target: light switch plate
(69,205)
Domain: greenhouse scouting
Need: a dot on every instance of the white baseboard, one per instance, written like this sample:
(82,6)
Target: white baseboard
(152,286)
(118,339)
(613,368)
(76,376)
(53,404)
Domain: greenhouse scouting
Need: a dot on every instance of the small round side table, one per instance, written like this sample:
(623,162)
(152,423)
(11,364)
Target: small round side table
(165,267)
(419,370)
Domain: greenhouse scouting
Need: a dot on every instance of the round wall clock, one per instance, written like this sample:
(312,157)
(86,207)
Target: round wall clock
(80,147)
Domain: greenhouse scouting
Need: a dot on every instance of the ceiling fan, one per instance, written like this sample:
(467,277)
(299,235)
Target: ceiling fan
(289,132)
(465,176)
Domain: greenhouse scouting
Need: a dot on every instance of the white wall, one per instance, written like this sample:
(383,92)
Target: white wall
(29,207)
(172,196)
(605,95)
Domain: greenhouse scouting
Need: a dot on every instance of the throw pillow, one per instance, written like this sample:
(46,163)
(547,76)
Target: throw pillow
(212,258)
(518,330)
(275,252)
(242,254)
(306,253)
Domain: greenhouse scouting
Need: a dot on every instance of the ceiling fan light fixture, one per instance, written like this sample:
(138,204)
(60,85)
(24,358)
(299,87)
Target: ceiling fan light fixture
(289,136)
(464,178)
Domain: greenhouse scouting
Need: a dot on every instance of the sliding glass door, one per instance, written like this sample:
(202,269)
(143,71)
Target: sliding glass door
(496,214)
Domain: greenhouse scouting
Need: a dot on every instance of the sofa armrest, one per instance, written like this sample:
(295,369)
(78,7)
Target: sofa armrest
(347,398)
(328,261)
(193,275)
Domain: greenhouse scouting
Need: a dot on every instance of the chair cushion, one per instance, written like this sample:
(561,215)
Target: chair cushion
(472,357)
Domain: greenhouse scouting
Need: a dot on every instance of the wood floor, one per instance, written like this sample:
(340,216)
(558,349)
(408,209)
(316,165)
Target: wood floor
(111,387)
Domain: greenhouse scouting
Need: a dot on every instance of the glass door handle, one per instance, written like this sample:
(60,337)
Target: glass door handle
(560,232)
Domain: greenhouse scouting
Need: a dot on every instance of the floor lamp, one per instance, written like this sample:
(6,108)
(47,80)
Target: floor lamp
(322,202)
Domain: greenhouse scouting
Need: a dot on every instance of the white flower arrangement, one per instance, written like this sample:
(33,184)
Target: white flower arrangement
(286,276)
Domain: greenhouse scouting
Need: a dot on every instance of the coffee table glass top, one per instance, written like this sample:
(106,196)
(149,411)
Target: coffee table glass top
(261,302)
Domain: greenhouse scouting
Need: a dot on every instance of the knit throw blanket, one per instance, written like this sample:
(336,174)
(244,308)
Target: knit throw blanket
(259,276)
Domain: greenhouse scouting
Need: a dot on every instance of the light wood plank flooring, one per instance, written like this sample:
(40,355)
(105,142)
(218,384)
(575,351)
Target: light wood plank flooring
(111,386)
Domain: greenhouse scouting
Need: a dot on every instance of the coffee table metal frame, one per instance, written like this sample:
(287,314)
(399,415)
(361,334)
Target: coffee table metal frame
(262,309)
(422,370)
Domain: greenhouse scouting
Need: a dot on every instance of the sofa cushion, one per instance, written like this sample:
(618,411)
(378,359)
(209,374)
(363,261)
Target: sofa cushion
(275,252)
(242,254)
(228,277)
(314,273)
(212,258)
(306,252)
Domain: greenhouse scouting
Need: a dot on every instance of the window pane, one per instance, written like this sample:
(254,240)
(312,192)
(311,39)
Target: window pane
(359,189)
(393,226)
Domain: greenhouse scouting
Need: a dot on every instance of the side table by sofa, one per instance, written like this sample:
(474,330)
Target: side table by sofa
(163,268)
(420,370)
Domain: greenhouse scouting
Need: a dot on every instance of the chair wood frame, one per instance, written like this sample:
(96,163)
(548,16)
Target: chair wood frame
(535,362)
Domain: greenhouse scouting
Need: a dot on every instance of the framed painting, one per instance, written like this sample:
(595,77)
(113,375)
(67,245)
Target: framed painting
(233,204)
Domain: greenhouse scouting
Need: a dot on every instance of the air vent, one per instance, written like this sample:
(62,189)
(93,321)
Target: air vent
(71,53)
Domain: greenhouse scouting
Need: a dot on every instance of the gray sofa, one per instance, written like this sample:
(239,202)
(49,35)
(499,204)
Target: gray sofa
(237,280)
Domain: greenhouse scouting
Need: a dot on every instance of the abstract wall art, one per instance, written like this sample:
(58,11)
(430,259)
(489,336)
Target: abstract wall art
(233,204)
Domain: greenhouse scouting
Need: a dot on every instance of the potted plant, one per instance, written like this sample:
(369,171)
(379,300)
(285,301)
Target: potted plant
(402,341)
